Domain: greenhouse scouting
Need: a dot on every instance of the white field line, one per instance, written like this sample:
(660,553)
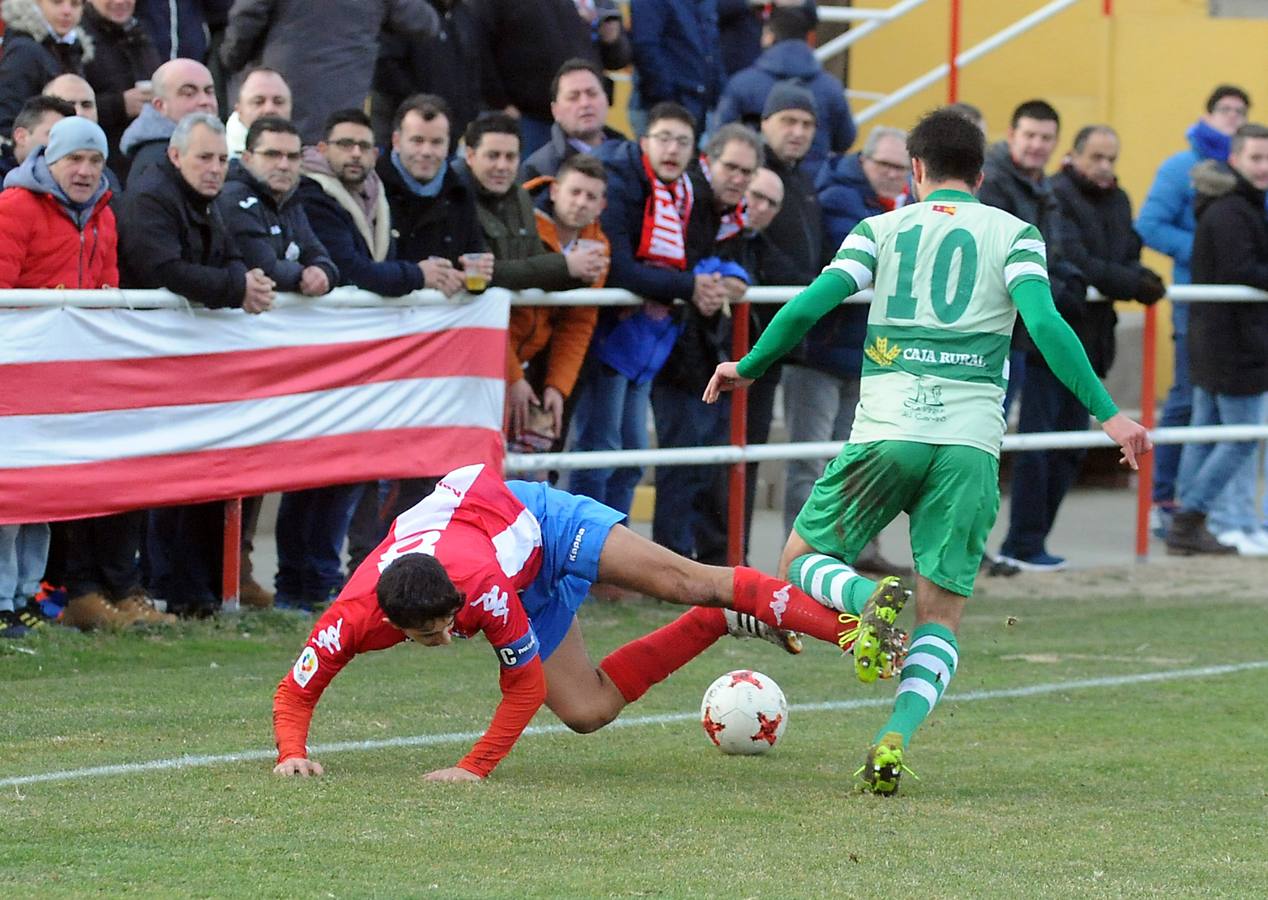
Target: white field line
(463,737)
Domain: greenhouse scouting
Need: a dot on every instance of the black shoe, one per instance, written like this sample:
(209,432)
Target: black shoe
(11,627)
(33,616)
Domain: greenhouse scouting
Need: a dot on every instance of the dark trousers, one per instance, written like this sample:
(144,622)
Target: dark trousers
(185,547)
(250,522)
(311,528)
(376,508)
(1041,478)
(689,519)
(102,554)
(1176,410)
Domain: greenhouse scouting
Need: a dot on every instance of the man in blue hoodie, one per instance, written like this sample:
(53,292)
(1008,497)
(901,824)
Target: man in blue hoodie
(1167,224)
(788,57)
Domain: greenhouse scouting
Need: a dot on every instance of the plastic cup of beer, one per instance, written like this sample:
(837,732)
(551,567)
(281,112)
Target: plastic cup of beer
(475,279)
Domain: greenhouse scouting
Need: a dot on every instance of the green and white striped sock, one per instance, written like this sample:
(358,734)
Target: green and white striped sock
(931,661)
(831,582)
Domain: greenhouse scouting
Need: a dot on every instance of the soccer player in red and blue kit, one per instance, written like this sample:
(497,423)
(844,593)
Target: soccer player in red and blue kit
(515,560)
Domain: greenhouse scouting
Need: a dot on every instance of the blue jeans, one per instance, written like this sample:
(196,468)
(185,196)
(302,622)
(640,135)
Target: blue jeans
(23,555)
(689,519)
(1177,409)
(611,414)
(1206,469)
(311,527)
(1041,478)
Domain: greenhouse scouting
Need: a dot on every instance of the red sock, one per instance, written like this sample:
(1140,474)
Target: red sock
(781,605)
(654,657)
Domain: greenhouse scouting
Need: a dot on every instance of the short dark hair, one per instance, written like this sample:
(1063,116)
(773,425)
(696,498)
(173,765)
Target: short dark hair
(949,146)
(345,116)
(576,64)
(429,106)
(1080,139)
(415,590)
(1249,131)
(275,124)
(1226,90)
(490,123)
(1040,110)
(583,163)
(791,23)
(668,109)
(34,109)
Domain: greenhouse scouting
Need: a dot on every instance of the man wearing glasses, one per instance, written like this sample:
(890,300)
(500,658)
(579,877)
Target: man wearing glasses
(265,217)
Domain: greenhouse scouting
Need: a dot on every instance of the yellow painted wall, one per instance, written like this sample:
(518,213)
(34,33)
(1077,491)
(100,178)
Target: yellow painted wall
(1146,70)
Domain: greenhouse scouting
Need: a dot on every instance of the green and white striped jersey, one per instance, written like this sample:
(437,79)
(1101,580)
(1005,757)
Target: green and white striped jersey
(941,320)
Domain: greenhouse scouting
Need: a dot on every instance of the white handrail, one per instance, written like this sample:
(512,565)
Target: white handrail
(975,52)
(351,297)
(839,43)
(726,453)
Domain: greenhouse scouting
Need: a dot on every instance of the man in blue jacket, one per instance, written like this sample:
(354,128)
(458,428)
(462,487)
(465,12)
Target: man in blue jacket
(347,208)
(788,58)
(677,54)
(1167,224)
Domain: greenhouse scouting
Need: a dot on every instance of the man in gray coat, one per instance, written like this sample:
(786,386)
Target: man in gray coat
(281,35)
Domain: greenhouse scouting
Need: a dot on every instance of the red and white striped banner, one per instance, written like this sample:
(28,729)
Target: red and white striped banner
(104,410)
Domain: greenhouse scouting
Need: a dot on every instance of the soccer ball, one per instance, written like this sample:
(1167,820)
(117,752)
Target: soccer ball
(744,712)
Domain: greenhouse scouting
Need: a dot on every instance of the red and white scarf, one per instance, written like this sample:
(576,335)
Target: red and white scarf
(735,220)
(663,241)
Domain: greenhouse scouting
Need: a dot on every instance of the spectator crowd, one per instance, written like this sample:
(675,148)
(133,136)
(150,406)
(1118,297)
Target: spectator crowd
(231,151)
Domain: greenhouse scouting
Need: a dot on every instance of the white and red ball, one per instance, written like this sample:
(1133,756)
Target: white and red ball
(744,712)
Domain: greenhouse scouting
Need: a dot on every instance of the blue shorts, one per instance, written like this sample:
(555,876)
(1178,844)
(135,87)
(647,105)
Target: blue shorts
(574,530)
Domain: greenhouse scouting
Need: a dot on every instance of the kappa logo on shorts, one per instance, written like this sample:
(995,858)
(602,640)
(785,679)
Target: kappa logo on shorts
(779,603)
(494,602)
(576,545)
(305,667)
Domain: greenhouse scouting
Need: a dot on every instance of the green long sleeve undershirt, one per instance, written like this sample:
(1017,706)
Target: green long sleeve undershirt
(1054,338)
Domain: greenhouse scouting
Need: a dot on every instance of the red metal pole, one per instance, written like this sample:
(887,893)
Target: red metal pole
(1145,478)
(1107,7)
(233,555)
(739,437)
(953,73)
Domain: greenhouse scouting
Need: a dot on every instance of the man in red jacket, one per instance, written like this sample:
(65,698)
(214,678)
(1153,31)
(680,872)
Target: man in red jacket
(57,231)
(55,227)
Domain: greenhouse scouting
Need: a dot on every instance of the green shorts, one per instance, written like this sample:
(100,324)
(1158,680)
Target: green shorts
(951,493)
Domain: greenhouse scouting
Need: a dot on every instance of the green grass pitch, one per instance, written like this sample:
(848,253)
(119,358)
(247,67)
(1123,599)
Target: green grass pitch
(1146,788)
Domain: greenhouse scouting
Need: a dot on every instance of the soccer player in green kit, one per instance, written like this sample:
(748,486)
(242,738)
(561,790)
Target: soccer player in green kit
(949,277)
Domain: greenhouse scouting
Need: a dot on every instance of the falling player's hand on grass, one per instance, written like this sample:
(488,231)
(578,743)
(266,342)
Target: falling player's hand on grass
(452,774)
(726,377)
(1130,435)
(297,765)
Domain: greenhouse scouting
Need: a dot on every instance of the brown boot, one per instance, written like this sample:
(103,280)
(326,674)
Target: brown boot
(1188,536)
(253,595)
(141,608)
(92,610)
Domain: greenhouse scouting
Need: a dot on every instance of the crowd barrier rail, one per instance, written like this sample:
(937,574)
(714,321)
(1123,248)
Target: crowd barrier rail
(738,452)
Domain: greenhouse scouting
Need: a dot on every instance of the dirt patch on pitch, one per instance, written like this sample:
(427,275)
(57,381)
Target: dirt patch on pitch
(1159,578)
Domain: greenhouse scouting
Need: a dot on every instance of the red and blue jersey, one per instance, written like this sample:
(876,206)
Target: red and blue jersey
(490,545)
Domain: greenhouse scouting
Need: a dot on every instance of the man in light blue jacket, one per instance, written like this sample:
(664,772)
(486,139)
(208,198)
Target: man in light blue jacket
(1166,224)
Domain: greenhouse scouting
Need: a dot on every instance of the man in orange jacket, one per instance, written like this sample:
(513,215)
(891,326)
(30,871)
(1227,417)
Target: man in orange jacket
(577,197)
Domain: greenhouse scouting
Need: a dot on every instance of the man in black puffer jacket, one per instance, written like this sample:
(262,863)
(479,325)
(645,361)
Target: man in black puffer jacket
(123,56)
(1228,342)
(1101,242)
